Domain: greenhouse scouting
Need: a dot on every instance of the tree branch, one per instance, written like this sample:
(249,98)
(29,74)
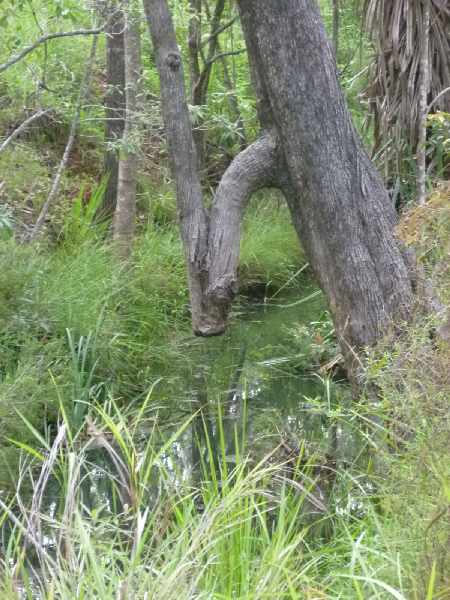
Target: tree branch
(218,31)
(45,38)
(438,97)
(254,168)
(213,59)
(22,127)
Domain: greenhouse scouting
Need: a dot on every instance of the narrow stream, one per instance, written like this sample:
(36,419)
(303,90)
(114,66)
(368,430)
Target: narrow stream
(263,379)
(259,386)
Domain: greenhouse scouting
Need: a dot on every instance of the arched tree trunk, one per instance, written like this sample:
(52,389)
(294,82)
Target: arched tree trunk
(310,150)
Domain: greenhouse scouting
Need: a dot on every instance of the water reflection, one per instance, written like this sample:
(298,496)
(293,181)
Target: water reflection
(246,395)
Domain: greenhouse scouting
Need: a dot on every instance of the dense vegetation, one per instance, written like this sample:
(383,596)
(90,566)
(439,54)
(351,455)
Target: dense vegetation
(102,382)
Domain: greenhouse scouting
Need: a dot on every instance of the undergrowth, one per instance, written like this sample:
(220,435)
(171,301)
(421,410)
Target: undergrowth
(55,300)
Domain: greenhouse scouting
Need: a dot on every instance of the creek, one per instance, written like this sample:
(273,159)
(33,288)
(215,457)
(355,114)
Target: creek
(257,390)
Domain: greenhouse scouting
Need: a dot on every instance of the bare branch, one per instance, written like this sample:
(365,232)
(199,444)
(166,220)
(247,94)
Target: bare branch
(22,127)
(438,97)
(213,59)
(45,38)
(218,31)
(84,90)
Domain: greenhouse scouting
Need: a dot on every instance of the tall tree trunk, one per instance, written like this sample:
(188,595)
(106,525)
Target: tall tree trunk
(341,210)
(195,72)
(191,211)
(125,213)
(336,26)
(114,105)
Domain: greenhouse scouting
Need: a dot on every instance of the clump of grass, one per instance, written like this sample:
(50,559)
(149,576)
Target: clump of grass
(413,378)
(414,384)
(238,530)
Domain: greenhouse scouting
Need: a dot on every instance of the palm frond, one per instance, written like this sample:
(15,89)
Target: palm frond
(396,28)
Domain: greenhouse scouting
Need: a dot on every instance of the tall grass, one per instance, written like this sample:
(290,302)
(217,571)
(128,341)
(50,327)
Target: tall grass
(54,300)
(236,530)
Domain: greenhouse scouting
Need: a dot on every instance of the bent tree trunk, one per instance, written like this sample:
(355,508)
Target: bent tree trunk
(215,251)
(341,209)
(310,150)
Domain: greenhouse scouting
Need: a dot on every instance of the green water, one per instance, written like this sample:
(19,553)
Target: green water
(246,391)
(255,391)
(261,381)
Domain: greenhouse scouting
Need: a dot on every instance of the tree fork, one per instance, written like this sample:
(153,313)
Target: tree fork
(211,241)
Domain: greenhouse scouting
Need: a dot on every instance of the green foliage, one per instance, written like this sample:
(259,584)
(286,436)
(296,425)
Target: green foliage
(6,224)
(78,225)
(270,251)
(83,339)
(438,143)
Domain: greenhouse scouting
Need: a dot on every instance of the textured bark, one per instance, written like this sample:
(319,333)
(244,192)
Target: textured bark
(338,202)
(211,253)
(125,213)
(253,169)
(114,105)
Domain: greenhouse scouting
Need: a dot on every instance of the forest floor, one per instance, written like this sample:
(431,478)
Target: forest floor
(81,336)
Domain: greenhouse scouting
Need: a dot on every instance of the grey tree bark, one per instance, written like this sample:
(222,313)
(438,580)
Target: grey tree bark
(310,150)
(337,199)
(124,220)
(183,157)
(114,105)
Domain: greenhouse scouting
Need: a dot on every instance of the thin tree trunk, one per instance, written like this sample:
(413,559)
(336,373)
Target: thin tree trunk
(114,106)
(125,214)
(183,156)
(336,26)
(84,91)
(423,105)
(194,42)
